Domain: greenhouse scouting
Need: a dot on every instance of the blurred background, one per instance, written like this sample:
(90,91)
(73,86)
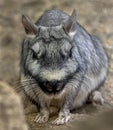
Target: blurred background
(96,16)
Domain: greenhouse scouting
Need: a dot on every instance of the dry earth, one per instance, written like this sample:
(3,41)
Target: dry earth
(95,15)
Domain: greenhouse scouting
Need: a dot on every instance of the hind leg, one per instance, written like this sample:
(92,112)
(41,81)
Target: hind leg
(96,98)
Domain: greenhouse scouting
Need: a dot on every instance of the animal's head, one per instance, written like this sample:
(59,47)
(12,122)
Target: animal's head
(50,59)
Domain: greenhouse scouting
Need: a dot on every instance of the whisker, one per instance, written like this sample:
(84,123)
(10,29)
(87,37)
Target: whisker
(28,87)
(29,83)
(35,93)
(27,80)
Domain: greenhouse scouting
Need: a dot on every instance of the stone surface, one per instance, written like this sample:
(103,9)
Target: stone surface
(11,110)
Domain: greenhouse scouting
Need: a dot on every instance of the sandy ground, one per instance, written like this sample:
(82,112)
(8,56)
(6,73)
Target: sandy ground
(95,15)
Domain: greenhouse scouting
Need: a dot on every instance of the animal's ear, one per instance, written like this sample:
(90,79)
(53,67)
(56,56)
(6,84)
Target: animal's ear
(29,26)
(69,26)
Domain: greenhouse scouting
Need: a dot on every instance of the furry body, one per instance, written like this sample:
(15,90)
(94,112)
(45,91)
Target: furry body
(67,64)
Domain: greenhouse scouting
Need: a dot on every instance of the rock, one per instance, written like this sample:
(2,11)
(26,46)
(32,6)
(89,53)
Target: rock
(11,110)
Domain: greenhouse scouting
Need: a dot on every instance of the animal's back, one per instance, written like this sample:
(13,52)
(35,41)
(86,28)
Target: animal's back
(90,49)
(52,18)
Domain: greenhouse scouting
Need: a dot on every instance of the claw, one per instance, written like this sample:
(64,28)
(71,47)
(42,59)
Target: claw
(40,118)
(61,120)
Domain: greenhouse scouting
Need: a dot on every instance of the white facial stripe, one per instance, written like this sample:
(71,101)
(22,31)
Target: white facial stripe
(53,75)
(71,34)
(58,27)
(31,36)
(34,68)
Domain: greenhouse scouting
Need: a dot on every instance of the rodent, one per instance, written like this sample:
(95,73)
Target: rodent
(61,62)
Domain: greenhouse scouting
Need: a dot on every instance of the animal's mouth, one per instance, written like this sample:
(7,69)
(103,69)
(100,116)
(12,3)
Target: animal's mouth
(52,88)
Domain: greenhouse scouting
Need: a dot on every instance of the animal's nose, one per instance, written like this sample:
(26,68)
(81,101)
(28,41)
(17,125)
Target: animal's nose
(52,83)
(50,86)
(53,86)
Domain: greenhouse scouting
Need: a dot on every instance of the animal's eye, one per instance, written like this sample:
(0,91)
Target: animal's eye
(66,54)
(70,53)
(63,56)
(66,49)
(34,55)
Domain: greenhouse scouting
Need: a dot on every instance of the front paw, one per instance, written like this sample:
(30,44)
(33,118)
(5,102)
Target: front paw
(61,120)
(42,118)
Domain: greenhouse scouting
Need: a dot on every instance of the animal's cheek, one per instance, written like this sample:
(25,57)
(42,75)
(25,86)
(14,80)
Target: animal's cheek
(71,66)
(59,86)
(34,68)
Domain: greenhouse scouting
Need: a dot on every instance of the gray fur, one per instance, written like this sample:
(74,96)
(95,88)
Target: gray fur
(56,54)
